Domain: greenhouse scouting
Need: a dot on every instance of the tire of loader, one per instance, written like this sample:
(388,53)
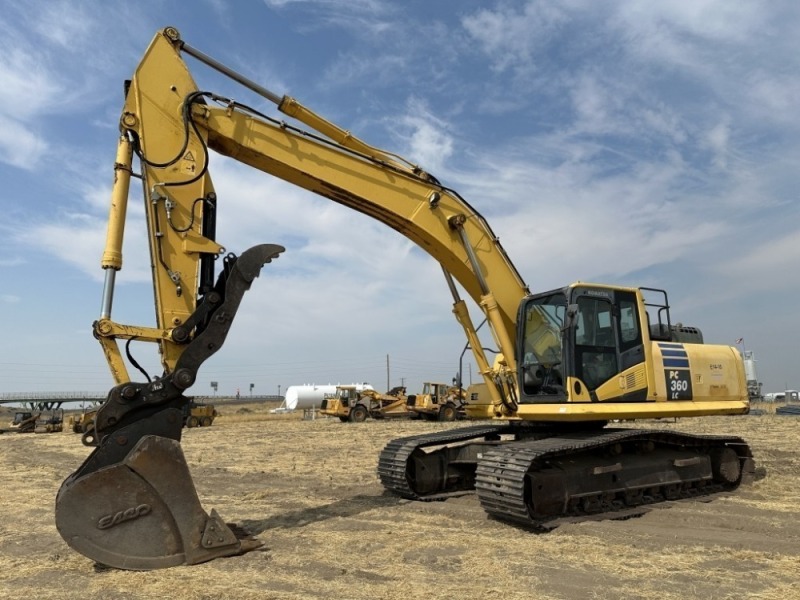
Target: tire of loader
(205,421)
(192,422)
(447,413)
(358,414)
(88,437)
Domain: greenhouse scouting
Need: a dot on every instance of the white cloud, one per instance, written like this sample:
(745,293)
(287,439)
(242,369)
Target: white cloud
(359,6)
(358,16)
(718,139)
(9,298)
(571,220)
(736,51)
(28,89)
(596,105)
(770,263)
(85,235)
(19,145)
(53,57)
(510,37)
(62,23)
(679,23)
(12,262)
(773,96)
(319,234)
(353,66)
(428,143)
(28,85)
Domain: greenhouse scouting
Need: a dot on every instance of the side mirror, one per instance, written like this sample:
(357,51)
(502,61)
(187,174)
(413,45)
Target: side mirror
(571,316)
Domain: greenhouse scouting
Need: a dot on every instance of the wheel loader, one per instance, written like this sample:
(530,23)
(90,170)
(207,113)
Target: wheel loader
(354,405)
(199,415)
(438,402)
(29,422)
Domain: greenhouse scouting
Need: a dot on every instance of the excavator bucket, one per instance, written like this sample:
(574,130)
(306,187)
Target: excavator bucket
(132,504)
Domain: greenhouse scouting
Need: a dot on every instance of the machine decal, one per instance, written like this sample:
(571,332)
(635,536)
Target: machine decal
(676,371)
(679,384)
(682,363)
(674,355)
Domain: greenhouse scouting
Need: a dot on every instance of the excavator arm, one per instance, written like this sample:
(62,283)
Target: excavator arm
(171,126)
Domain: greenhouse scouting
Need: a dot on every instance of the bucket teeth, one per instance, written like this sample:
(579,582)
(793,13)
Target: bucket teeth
(216,534)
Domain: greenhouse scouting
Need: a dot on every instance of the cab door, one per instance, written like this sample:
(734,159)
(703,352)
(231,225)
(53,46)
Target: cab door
(606,338)
(596,351)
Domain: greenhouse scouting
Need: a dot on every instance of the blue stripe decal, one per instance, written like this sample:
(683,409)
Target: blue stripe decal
(676,362)
(680,353)
(672,345)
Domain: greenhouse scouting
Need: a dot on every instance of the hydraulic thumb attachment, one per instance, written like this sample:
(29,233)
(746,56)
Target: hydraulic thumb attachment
(132,504)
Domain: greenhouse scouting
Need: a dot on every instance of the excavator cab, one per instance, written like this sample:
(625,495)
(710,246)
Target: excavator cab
(576,339)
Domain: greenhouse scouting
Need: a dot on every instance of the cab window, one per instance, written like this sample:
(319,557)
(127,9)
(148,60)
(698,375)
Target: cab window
(595,341)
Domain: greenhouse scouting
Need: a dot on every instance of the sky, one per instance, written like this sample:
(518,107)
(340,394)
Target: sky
(632,142)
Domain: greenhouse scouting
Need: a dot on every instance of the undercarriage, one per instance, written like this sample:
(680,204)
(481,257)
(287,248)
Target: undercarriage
(536,475)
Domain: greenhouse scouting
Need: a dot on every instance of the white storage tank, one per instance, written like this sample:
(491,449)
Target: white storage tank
(299,397)
(750,367)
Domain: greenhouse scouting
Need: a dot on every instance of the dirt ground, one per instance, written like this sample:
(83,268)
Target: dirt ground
(309,490)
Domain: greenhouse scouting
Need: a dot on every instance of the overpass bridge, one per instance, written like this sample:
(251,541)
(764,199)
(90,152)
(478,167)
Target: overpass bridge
(54,400)
(51,400)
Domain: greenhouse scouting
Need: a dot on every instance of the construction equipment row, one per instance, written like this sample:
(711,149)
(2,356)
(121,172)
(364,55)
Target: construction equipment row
(436,402)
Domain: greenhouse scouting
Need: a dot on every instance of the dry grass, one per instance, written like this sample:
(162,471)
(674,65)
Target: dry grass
(309,490)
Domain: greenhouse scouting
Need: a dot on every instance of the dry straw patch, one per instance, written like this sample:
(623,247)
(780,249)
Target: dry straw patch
(310,491)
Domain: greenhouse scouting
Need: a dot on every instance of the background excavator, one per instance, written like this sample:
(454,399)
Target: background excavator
(570,360)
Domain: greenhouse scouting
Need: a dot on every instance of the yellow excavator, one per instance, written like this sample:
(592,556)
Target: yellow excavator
(570,361)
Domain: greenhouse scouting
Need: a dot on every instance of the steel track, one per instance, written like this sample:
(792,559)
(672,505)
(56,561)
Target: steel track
(502,470)
(500,479)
